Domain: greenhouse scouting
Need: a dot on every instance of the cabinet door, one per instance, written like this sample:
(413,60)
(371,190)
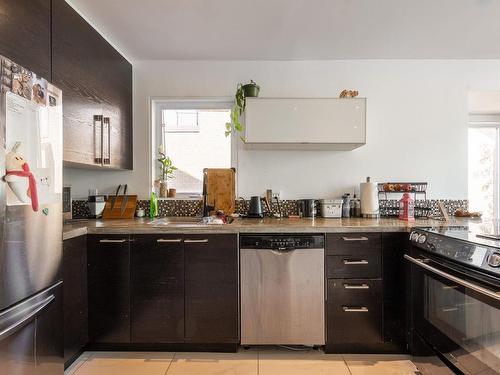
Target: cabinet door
(354,311)
(25,34)
(96,80)
(211,290)
(118,109)
(394,246)
(109,288)
(157,288)
(75,296)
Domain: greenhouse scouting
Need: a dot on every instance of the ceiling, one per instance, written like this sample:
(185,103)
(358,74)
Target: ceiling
(298,29)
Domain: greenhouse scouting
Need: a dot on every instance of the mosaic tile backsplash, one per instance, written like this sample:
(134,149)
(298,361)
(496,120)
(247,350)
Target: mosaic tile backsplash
(179,207)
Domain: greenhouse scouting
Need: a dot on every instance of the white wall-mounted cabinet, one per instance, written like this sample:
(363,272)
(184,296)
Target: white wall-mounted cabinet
(305,123)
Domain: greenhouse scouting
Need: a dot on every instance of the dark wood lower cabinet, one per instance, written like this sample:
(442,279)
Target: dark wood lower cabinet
(157,288)
(354,311)
(75,299)
(211,289)
(365,293)
(109,289)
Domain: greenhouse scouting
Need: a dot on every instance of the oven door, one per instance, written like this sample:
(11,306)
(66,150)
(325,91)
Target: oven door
(456,314)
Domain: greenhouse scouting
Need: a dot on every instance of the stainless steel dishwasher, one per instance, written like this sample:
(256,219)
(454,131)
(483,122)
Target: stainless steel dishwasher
(282,289)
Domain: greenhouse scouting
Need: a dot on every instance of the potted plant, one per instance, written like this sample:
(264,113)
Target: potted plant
(249,90)
(167,170)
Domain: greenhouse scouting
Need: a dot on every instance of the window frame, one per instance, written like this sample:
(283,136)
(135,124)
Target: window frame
(157,104)
(490,121)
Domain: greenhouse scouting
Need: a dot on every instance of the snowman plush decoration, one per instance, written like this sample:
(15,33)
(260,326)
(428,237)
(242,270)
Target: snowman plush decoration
(17,170)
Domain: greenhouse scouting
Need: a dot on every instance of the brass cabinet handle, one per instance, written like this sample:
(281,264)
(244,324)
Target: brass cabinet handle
(355,309)
(168,240)
(355,238)
(356,286)
(197,241)
(351,262)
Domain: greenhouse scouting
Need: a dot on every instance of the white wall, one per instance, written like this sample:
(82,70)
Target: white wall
(416,122)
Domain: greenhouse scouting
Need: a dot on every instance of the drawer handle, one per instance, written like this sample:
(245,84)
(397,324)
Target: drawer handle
(205,240)
(351,262)
(355,309)
(112,241)
(169,240)
(356,286)
(355,238)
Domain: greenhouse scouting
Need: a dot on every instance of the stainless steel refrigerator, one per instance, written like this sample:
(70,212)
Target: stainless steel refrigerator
(31,338)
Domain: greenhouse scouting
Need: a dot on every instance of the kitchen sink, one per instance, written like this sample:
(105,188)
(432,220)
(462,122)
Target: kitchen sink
(178,220)
(185,221)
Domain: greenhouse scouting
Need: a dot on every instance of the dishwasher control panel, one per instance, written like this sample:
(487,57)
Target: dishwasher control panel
(282,242)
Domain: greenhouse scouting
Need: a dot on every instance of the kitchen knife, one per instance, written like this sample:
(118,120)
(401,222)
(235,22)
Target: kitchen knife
(113,199)
(124,200)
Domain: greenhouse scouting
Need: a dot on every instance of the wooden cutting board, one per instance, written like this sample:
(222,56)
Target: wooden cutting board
(116,212)
(221,188)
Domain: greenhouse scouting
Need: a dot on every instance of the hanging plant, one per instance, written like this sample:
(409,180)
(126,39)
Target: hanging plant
(242,92)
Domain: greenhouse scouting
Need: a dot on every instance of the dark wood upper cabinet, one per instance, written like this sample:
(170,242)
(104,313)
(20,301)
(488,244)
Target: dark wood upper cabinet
(109,289)
(211,289)
(75,298)
(25,34)
(96,81)
(157,288)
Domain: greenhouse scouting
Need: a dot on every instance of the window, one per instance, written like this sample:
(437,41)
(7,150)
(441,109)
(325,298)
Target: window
(484,142)
(192,133)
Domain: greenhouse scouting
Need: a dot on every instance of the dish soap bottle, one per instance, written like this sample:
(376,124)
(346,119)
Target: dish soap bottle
(346,205)
(153,205)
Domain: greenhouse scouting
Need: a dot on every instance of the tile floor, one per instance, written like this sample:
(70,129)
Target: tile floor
(262,361)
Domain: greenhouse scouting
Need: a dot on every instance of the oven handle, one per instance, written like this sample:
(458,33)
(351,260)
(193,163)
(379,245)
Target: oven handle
(422,263)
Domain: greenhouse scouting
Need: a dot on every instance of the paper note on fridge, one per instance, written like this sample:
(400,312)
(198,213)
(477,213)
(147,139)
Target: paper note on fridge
(32,146)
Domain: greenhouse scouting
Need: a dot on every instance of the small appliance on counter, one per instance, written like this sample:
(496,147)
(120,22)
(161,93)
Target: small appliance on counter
(96,203)
(331,208)
(369,199)
(307,208)
(67,204)
(255,208)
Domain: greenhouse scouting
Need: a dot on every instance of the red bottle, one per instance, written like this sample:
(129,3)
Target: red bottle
(407,208)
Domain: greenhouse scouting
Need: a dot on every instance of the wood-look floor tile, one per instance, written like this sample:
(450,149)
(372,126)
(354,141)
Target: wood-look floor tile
(367,364)
(312,362)
(242,363)
(126,363)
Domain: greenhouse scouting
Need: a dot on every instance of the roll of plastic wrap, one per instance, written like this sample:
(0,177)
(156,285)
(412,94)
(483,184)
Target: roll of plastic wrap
(369,199)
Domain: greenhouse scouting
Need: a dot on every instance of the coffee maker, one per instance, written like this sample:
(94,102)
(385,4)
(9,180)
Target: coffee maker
(96,203)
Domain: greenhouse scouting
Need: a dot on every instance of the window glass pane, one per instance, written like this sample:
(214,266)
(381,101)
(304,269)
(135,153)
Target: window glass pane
(191,152)
(483,150)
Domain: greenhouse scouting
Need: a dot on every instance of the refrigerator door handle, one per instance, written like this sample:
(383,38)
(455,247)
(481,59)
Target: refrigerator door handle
(35,310)
(98,139)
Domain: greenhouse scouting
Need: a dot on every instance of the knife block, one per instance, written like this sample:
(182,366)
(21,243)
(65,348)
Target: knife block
(116,212)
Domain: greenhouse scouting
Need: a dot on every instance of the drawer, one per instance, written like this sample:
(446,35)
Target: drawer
(353,243)
(354,315)
(360,266)
(354,291)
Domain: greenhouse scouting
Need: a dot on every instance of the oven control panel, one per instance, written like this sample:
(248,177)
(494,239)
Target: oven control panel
(475,255)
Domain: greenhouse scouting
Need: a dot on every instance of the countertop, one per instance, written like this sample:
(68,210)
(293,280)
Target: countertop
(77,228)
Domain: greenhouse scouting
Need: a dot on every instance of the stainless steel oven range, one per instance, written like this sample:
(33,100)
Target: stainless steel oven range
(454,289)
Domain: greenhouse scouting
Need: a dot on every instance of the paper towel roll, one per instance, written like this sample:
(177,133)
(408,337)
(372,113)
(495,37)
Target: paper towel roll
(369,198)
